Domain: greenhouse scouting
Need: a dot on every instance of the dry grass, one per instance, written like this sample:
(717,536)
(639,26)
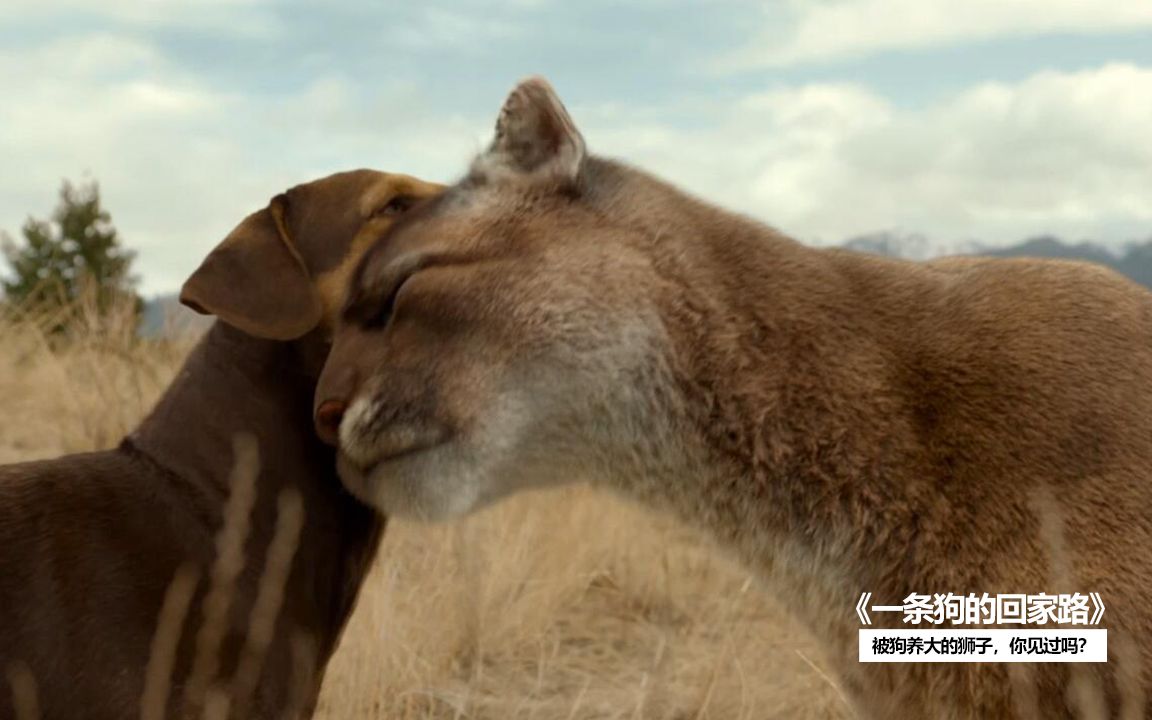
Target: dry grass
(558,605)
(568,605)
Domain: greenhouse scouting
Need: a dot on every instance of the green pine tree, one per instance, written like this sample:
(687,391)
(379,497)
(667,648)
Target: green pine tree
(74,256)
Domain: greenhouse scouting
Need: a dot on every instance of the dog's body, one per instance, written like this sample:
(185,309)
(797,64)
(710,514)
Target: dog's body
(89,543)
(844,423)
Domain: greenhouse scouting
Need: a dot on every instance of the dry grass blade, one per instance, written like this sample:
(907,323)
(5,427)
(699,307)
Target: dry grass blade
(217,705)
(24,693)
(1129,675)
(832,684)
(225,571)
(1025,694)
(303,675)
(165,641)
(1085,691)
(269,597)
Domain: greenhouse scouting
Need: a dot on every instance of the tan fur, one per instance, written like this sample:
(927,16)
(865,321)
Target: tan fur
(333,284)
(844,423)
(259,280)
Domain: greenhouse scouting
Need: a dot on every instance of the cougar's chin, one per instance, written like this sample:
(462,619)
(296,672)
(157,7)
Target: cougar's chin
(426,483)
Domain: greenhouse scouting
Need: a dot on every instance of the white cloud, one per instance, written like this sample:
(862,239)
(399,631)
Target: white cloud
(440,27)
(821,30)
(249,18)
(181,162)
(1061,153)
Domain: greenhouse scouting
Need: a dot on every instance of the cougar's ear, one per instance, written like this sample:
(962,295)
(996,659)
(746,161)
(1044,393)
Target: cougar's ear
(255,280)
(535,136)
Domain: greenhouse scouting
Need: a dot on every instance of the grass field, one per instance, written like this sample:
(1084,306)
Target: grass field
(561,605)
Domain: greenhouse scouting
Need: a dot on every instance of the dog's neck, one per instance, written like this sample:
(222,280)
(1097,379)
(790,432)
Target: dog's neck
(233,383)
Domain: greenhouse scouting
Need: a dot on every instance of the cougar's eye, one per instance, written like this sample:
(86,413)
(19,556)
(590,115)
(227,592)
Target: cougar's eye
(372,301)
(394,280)
(396,206)
(388,307)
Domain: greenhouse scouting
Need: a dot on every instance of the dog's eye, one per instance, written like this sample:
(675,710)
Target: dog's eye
(396,206)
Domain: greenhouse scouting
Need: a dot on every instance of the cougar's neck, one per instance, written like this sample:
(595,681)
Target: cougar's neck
(782,392)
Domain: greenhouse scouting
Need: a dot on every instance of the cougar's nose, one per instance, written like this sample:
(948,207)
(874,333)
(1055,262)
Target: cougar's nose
(329,414)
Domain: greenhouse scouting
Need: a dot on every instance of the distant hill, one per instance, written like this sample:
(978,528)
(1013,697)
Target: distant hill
(164,316)
(911,246)
(1133,260)
(1048,246)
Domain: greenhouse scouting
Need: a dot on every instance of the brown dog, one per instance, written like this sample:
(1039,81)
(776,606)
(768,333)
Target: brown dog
(89,543)
(845,423)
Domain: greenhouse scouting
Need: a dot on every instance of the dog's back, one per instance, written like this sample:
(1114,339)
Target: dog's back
(87,547)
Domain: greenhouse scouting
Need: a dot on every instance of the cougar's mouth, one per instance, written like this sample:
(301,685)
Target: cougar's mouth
(396,480)
(396,443)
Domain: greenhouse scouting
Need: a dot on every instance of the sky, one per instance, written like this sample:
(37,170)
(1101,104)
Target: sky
(981,120)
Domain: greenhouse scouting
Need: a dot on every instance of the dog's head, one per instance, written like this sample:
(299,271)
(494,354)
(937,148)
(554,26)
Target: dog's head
(282,272)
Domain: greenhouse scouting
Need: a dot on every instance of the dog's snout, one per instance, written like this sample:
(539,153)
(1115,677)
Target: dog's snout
(329,415)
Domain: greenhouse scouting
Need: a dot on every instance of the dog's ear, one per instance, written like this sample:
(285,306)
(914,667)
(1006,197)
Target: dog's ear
(255,280)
